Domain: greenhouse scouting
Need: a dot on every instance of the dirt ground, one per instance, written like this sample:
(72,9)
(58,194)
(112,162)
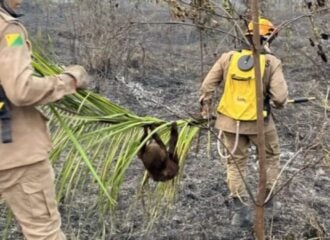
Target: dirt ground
(201,209)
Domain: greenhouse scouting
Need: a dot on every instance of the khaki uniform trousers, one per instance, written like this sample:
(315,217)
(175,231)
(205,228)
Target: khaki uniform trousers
(234,180)
(29,191)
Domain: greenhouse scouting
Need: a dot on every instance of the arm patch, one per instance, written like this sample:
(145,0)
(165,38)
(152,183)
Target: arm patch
(14,40)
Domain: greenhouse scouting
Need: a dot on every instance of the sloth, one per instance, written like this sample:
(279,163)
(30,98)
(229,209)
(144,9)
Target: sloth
(162,163)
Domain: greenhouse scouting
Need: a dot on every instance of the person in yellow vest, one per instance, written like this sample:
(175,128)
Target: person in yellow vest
(26,176)
(236,112)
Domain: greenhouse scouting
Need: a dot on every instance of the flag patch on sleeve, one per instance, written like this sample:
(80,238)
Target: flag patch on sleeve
(14,40)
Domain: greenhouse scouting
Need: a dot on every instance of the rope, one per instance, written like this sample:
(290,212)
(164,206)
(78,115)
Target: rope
(219,143)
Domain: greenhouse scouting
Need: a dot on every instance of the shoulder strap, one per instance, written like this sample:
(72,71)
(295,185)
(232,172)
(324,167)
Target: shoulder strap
(5,117)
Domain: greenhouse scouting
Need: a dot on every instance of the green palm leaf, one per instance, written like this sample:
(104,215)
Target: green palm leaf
(95,141)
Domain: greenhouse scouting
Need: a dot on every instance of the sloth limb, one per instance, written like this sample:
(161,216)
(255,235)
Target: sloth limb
(160,162)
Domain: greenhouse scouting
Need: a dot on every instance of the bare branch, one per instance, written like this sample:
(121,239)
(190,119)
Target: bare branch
(190,25)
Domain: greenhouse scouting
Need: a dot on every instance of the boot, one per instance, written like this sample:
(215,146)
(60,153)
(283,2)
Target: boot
(242,214)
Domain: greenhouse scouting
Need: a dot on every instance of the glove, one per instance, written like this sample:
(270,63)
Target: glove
(278,105)
(79,74)
(205,108)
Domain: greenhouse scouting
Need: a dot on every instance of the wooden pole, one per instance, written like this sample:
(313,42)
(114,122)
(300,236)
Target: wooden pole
(259,223)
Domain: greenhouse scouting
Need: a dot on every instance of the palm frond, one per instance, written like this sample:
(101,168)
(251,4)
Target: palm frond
(95,141)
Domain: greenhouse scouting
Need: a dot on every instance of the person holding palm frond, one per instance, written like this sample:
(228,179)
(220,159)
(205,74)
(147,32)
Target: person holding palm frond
(26,176)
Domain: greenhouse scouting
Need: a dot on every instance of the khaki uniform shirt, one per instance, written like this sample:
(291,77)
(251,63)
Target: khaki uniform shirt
(31,142)
(274,86)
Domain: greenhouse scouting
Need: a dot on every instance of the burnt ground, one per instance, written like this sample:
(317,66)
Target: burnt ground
(166,86)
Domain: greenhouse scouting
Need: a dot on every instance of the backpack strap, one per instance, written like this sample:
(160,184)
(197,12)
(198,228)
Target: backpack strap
(5,117)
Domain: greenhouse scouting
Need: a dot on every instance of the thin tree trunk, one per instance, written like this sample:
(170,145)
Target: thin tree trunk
(259,225)
(201,39)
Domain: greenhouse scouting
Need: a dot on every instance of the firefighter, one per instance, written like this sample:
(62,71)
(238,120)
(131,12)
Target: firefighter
(237,111)
(26,176)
